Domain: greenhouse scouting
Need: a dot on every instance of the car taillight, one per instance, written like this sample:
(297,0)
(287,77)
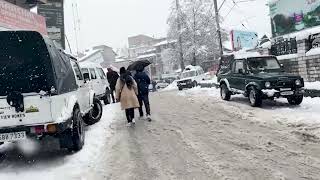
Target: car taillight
(37,129)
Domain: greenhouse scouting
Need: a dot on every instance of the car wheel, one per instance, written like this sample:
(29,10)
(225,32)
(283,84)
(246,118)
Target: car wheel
(225,93)
(95,113)
(180,88)
(295,100)
(77,132)
(195,83)
(255,97)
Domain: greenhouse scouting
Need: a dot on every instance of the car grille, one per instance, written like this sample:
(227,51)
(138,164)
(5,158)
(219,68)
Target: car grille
(185,81)
(285,83)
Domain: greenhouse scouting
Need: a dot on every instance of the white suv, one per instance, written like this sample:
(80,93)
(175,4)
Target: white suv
(190,77)
(93,73)
(42,92)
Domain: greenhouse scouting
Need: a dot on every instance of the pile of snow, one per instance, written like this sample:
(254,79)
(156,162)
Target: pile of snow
(312,85)
(312,52)
(171,87)
(212,80)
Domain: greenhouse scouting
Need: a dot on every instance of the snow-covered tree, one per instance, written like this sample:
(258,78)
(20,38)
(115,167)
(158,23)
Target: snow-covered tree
(198,30)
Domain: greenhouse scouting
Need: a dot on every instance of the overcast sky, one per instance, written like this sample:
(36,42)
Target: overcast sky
(110,22)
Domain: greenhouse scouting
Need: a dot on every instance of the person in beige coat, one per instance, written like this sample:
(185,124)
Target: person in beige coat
(126,93)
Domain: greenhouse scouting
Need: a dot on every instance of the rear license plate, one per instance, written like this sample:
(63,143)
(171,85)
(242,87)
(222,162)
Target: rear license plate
(285,89)
(287,93)
(15,136)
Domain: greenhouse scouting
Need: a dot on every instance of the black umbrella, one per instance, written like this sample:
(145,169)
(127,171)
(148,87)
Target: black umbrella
(139,65)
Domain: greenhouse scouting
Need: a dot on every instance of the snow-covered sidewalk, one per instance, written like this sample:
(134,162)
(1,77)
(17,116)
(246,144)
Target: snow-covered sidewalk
(48,162)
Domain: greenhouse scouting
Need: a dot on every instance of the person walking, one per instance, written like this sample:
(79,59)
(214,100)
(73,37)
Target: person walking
(143,82)
(126,94)
(112,77)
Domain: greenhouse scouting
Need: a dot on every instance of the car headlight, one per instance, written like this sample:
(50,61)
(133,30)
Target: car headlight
(267,84)
(298,82)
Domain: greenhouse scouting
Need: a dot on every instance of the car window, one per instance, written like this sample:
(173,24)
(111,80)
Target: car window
(85,73)
(93,73)
(77,70)
(237,65)
(101,73)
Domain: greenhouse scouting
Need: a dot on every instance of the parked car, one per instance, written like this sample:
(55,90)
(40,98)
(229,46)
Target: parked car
(42,92)
(190,77)
(258,78)
(161,84)
(93,73)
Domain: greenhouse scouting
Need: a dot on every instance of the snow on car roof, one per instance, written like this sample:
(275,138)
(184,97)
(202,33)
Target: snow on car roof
(243,54)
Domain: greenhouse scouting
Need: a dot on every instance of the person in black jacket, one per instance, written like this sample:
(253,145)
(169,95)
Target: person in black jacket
(143,82)
(112,77)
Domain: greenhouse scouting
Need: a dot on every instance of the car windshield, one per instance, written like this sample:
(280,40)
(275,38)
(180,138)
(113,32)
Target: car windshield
(187,74)
(263,64)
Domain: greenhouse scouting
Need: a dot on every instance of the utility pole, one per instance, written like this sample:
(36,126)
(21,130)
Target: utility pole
(182,66)
(218,27)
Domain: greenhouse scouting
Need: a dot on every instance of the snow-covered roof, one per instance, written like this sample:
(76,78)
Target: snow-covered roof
(147,56)
(272,1)
(266,45)
(313,51)
(191,68)
(304,34)
(89,54)
(165,42)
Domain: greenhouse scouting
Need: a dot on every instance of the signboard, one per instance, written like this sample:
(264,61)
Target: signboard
(243,39)
(314,41)
(14,17)
(289,16)
(53,12)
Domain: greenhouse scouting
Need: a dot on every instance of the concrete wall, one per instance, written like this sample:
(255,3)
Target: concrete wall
(306,66)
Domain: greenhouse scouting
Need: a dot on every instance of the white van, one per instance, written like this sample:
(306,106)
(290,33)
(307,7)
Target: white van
(93,73)
(190,77)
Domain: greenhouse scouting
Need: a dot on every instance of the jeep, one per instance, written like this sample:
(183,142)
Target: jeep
(258,78)
(42,92)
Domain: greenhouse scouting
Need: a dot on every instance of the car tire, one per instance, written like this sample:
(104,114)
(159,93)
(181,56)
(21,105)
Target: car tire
(180,88)
(255,97)
(95,113)
(195,83)
(77,132)
(225,93)
(295,99)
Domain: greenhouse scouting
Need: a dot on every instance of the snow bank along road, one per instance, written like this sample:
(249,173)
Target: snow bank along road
(194,135)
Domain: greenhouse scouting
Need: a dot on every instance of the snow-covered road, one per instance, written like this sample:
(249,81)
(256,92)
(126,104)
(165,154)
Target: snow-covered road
(31,160)
(194,135)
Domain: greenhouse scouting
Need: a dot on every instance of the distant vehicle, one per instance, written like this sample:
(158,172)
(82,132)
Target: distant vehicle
(43,92)
(93,73)
(162,84)
(258,78)
(190,77)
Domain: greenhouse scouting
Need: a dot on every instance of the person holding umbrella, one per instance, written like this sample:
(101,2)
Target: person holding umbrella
(143,82)
(126,94)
